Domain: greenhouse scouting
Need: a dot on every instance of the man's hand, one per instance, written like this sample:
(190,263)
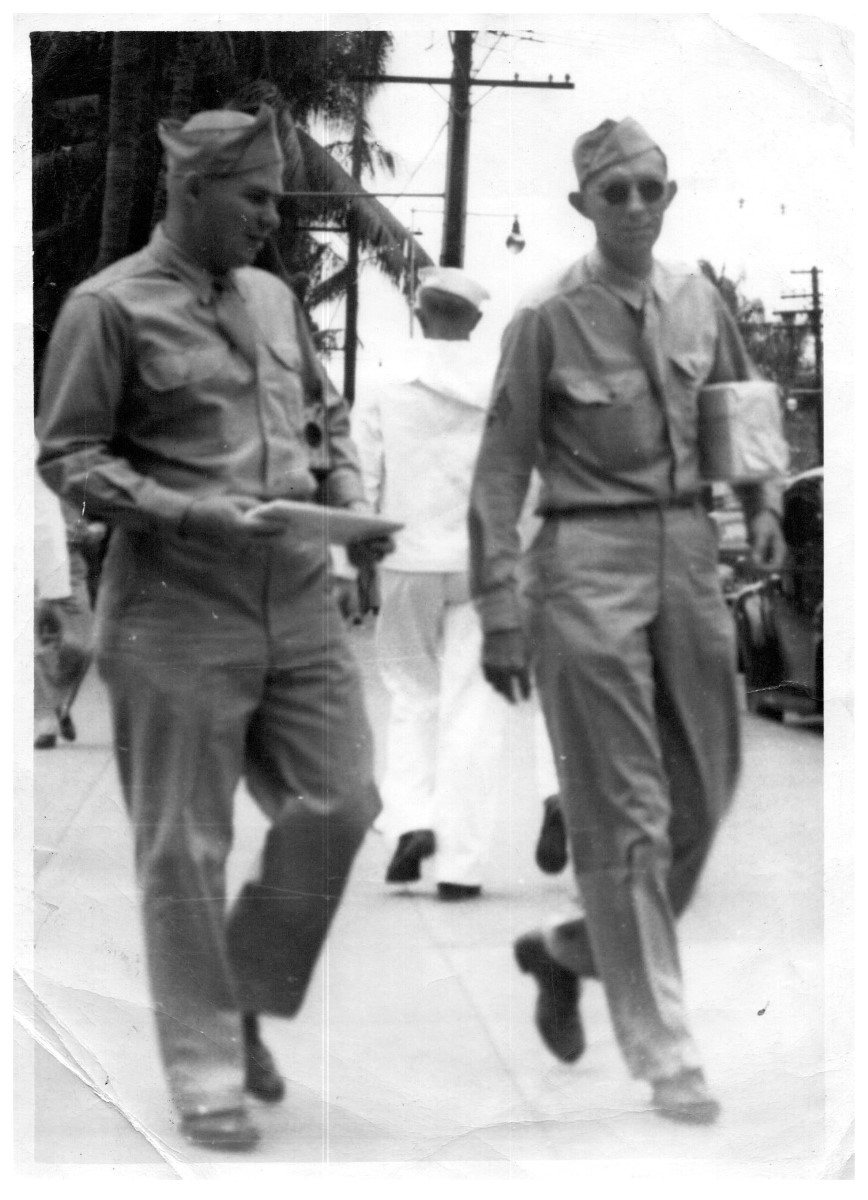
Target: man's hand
(226,519)
(347,595)
(505,663)
(768,546)
(48,624)
(365,555)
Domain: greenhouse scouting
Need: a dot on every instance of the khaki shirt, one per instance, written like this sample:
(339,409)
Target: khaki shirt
(575,398)
(145,404)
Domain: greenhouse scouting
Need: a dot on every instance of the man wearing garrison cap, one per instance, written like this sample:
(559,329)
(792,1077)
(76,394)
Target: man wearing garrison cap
(625,628)
(174,403)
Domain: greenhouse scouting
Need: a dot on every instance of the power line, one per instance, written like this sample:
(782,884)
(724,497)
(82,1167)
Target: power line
(461,81)
(428,154)
(499,37)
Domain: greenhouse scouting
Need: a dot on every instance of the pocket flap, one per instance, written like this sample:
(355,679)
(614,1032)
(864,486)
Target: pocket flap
(164,372)
(618,387)
(286,353)
(693,364)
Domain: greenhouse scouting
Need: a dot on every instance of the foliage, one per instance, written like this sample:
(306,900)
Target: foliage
(779,351)
(97,190)
(776,348)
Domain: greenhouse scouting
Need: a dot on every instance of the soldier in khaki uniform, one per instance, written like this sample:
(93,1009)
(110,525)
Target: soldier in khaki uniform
(626,629)
(176,392)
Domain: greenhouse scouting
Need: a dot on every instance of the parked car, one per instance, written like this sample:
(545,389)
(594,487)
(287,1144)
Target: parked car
(779,619)
(734,561)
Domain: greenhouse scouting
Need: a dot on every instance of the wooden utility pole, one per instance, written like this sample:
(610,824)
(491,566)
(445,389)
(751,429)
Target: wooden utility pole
(458,152)
(815,317)
(351,335)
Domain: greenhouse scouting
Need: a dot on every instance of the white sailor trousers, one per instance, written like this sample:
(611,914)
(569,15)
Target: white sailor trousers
(448,729)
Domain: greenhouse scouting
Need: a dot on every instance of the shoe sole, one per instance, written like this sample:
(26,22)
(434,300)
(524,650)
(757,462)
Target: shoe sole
(412,871)
(240,1139)
(261,1062)
(272,1096)
(703,1113)
(550,864)
(411,875)
(237,1144)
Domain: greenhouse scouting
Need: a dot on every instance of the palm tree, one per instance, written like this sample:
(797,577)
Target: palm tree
(131,70)
(96,159)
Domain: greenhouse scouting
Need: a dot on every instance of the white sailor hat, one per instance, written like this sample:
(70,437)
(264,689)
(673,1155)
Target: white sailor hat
(454,282)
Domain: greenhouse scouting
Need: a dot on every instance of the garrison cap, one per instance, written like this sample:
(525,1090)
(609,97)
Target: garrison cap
(221,142)
(611,143)
(454,282)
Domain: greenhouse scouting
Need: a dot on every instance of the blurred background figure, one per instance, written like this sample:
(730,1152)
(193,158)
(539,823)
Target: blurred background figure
(63,622)
(447,741)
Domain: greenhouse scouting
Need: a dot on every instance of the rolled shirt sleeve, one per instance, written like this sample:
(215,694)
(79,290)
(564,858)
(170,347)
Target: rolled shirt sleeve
(80,397)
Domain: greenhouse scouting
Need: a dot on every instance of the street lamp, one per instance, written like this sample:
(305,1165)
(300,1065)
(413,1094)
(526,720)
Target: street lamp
(515,242)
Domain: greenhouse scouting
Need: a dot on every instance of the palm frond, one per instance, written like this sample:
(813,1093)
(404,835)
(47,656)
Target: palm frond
(387,239)
(328,289)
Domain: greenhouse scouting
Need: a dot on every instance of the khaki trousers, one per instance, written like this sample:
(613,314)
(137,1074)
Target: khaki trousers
(635,663)
(223,667)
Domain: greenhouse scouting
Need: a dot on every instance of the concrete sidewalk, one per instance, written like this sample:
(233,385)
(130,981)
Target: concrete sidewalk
(416,1047)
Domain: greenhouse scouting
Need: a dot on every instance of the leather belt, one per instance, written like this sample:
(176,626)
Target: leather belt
(607,510)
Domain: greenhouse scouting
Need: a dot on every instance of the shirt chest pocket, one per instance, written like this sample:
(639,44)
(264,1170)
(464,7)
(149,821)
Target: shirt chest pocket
(614,389)
(281,371)
(170,371)
(605,423)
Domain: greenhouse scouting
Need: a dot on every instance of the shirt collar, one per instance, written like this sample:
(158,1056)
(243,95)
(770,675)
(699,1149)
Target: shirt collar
(172,258)
(629,289)
(456,370)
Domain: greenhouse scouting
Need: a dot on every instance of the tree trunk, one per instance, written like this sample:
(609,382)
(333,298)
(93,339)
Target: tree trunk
(184,64)
(351,325)
(129,81)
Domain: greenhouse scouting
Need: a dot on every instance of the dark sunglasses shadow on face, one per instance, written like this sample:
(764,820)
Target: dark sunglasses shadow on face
(618,193)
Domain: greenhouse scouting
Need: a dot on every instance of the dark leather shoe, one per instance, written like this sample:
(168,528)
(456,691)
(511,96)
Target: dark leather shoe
(231,1129)
(45,741)
(557,1005)
(551,846)
(458,891)
(67,727)
(262,1078)
(685,1097)
(412,848)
